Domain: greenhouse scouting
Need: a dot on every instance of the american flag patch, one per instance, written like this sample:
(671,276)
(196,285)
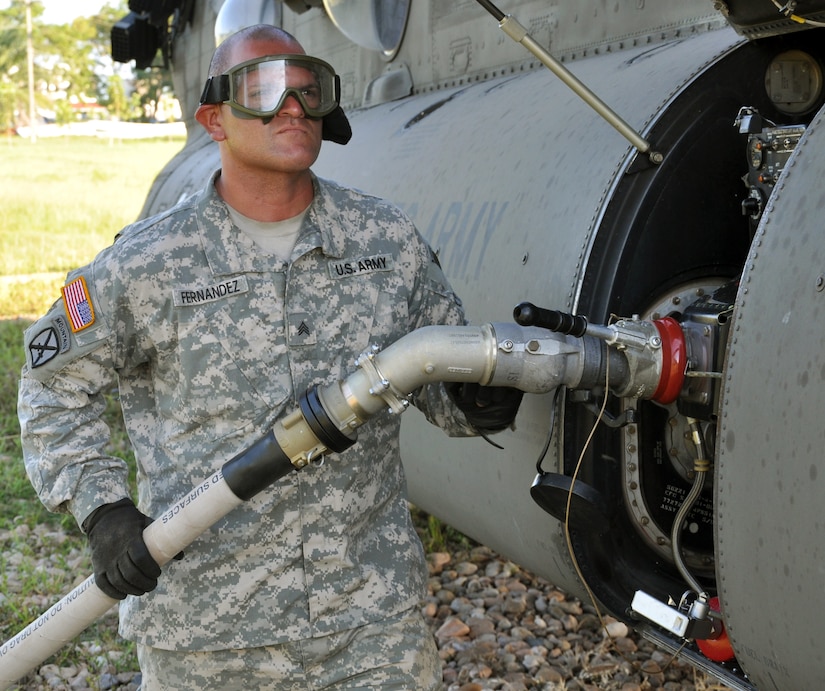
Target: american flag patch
(78,304)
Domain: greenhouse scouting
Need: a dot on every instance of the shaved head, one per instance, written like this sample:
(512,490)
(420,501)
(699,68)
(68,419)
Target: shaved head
(222,59)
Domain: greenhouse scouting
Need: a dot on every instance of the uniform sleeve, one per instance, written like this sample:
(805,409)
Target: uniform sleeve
(435,302)
(68,366)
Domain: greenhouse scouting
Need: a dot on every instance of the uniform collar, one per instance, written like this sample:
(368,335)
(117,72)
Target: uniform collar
(229,251)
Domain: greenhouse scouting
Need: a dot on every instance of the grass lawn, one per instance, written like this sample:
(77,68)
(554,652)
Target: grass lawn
(61,201)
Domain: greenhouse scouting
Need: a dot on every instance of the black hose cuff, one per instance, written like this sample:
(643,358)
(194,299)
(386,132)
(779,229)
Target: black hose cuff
(255,469)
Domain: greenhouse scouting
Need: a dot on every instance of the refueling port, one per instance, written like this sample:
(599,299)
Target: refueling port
(658,454)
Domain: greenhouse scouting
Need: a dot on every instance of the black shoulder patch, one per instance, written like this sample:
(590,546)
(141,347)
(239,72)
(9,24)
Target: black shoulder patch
(49,342)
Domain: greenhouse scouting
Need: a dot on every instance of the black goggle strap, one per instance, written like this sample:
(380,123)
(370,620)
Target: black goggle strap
(216,90)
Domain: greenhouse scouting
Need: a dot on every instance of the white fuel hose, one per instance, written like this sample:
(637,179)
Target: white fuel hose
(528,358)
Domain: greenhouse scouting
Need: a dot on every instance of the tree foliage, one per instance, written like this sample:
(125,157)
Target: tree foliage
(72,62)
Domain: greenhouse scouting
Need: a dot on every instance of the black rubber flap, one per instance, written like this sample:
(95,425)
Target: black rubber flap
(551,491)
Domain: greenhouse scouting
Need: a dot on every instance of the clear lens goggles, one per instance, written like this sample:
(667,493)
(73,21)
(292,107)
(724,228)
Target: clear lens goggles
(259,87)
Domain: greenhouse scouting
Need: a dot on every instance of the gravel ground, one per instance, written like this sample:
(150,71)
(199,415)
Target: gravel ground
(497,627)
(500,627)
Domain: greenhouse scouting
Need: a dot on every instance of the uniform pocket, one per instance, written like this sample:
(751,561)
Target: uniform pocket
(230,365)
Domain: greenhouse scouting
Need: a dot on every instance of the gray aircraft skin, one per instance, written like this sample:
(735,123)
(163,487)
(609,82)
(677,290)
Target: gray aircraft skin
(527,194)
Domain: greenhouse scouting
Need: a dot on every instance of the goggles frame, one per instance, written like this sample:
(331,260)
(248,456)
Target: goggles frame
(221,88)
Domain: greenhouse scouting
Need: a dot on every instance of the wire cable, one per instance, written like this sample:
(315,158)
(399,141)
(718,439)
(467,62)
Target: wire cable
(579,462)
(788,9)
(546,447)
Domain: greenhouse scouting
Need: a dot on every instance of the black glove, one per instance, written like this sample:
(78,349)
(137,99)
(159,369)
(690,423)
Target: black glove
(487,408)
(121,560)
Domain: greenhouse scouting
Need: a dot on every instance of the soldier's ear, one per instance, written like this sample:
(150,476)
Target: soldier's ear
(210,117)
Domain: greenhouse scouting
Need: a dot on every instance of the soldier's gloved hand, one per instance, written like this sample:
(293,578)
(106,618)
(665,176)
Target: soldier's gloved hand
(487,408)
(121,560)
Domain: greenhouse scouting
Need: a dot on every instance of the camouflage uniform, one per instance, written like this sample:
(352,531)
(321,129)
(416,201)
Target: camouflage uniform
(397,654)
(209,340)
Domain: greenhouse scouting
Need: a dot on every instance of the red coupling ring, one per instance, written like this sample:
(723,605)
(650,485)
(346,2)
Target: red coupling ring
(718,647)
(674,360)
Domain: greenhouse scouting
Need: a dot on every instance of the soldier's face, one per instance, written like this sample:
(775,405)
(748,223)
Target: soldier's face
(289,142)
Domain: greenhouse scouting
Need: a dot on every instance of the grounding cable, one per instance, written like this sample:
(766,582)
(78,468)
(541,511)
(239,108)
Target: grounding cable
(568,538)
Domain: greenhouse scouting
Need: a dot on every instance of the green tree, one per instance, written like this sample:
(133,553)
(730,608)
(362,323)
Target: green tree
(61,60)
(150,85)
(8,94)
(115,98)
(72,61)
(13,60)
(79,54)
(63,112)
(100,48)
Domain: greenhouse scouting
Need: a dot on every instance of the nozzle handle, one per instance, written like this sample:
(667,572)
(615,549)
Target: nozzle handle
(527,314)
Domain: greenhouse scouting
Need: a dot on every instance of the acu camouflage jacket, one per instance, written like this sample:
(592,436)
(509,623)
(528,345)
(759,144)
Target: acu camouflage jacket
(209,340)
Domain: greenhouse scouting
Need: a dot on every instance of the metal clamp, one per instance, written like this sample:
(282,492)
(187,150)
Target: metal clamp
(379,385)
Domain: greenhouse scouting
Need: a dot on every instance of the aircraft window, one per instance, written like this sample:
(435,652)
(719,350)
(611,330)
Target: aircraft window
(374,24)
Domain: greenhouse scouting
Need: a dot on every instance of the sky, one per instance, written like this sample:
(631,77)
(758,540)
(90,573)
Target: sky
(63,11)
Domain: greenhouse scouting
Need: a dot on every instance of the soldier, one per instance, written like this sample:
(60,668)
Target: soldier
(211,319)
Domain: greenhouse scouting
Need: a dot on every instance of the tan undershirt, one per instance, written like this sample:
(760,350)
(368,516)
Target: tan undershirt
(274,237)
